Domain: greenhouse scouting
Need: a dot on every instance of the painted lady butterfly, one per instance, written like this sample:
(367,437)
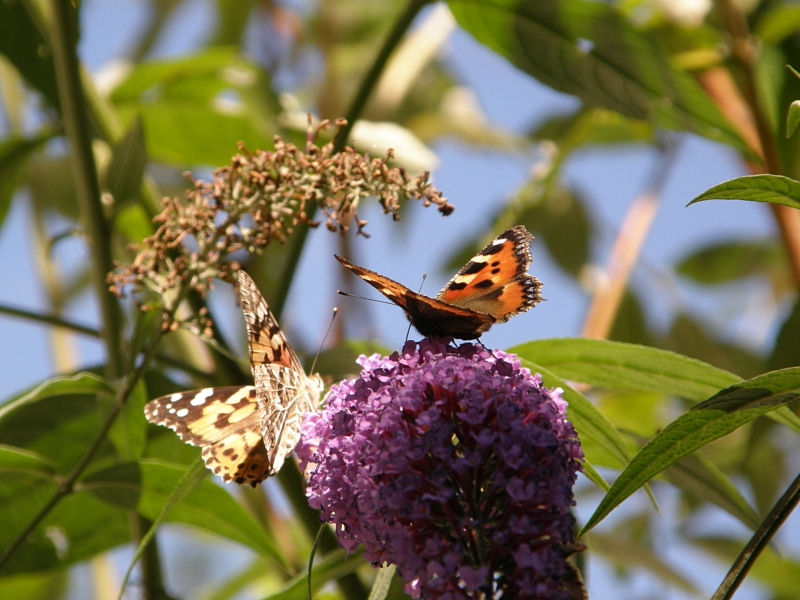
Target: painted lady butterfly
(246,432)
(491,288)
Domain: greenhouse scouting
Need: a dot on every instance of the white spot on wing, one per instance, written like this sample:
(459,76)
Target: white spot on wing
(202,396)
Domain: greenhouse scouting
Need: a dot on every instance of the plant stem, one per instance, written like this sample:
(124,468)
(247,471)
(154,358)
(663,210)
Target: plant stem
(372,77)
(76,125)
(49,320)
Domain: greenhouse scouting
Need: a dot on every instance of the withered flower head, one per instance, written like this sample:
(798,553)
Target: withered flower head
(260,198)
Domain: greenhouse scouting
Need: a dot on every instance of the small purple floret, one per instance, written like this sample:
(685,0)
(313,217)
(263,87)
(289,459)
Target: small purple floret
(454,464)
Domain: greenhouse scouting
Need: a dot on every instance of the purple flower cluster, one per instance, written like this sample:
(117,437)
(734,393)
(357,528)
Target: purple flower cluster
(454,464)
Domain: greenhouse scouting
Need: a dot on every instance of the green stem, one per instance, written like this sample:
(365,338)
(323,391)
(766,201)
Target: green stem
(76,125)
(372,77)
(49,320)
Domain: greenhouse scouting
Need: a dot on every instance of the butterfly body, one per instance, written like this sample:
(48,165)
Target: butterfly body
(491,288)
(246,432)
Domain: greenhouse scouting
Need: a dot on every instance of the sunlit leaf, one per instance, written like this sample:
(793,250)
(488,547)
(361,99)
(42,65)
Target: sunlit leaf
(792,118)
(331,567)
(590,50)
(614,365)
(40,586)
(774,189)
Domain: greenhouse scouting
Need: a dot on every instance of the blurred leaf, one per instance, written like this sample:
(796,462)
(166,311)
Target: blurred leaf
(22,43)
(778,22)
(52,185)
(779,574)
(78,528)
(331,567)
(614,365)
(199,76)
(689,337)
(126,169)
(701,478)
(792,118)
(765,464)
(630,323)
(774,189)
(591,126)
(41,586)
(724,262)
(786,352)
(14,154)
(561,221)
(147,485)
(339,362)
(16,460)
(133,223)
(590,50)
(190,134)
(231,21)
(632,411)
(626,554)
(725,412)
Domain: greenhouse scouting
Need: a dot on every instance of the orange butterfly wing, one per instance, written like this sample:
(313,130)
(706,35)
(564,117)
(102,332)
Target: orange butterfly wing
(429,316)
(496,281)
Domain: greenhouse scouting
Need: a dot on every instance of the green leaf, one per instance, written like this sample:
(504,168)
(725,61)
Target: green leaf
(383,581)
(57,420)
(40,586)
(130,427)
(778,22)
(590,50)
(147,486)
(720,415)
(725,262)
(700,477)
(15,460)
(22,43)
(792,118)
(618,366)
(190,134)
(774,189)
(14,153)
(78,528)
(786,352)
(125,171)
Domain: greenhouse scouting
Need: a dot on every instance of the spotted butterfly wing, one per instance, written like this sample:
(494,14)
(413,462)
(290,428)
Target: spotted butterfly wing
(246,432)
(285,393)
(491,288)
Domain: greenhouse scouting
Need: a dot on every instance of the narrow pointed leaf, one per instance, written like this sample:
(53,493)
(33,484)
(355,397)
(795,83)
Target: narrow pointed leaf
(128,160)
(774,189)
(725,412)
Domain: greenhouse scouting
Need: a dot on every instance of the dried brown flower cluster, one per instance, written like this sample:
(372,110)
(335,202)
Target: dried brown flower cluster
(261,197)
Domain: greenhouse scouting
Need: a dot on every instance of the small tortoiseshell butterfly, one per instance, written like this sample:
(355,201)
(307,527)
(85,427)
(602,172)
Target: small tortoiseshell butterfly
(246,432)
(491,288)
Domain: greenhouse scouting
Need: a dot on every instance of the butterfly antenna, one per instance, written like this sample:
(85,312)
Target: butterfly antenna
(325,337)
(341,293)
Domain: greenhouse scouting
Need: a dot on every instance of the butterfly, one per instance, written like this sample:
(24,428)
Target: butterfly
(246,432)
(491,288)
